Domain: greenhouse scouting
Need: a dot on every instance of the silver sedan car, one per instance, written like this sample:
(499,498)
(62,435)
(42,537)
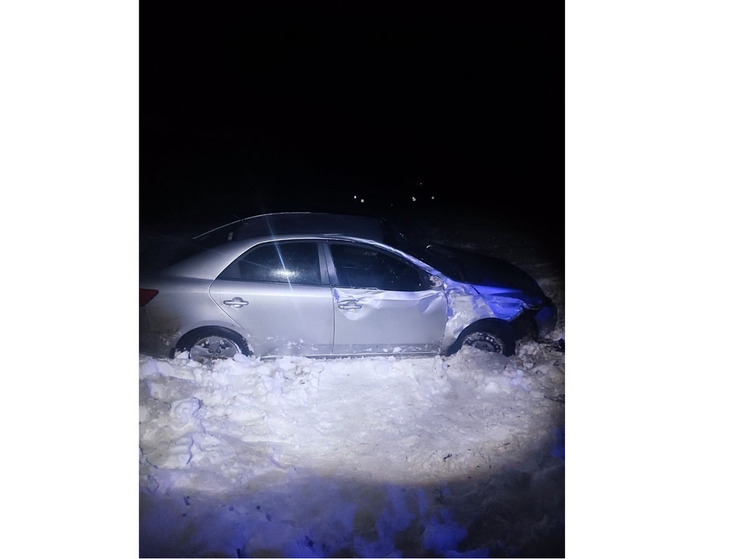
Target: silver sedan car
(331,285)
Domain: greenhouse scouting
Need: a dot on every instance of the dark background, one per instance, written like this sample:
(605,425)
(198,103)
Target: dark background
(273,106)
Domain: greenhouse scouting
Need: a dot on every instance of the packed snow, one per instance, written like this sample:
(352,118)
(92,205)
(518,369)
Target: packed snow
(459,456)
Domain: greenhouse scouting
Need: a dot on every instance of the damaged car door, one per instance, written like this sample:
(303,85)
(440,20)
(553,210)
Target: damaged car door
(383,304)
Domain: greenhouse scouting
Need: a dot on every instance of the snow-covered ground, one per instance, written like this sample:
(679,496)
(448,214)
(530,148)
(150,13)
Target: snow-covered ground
(379,456)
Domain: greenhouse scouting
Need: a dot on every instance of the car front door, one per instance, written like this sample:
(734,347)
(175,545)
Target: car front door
(383,304)
(280,295)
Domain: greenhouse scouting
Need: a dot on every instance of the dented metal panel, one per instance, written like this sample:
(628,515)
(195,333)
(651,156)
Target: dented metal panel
(466,305)
(378,321)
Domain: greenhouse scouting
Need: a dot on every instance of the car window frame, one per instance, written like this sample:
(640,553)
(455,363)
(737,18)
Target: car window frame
(322,263)
(334,278)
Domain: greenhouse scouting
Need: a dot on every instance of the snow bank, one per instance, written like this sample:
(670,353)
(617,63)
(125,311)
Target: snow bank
(366,457)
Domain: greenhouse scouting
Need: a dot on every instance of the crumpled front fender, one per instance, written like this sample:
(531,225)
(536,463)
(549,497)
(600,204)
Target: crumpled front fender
(466,306)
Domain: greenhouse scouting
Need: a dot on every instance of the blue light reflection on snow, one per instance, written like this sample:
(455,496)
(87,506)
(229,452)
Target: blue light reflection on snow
(558,450)
(307,515)
(397,522)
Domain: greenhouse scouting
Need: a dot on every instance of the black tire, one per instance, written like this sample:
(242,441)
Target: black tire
(491,337)
(211,343)
(486,341)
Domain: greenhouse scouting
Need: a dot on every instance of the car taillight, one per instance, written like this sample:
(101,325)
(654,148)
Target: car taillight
(146,295)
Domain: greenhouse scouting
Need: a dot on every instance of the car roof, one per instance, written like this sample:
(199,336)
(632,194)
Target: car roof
(298,223)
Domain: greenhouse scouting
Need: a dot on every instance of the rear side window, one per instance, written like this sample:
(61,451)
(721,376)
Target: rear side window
(277,262)
(368,267)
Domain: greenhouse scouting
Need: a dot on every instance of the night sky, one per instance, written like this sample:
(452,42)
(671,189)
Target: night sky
(301,106)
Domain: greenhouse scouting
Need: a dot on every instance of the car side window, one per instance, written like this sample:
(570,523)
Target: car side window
(368,267)
(292,262)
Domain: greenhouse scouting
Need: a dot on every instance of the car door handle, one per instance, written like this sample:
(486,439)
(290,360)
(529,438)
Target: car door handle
(236,302)
(349,305)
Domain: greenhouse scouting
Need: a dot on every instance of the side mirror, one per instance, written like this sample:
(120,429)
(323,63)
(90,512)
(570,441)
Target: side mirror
(435,282)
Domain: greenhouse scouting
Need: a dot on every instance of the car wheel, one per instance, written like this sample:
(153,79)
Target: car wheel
(484,341)
(209,344)
(487,337)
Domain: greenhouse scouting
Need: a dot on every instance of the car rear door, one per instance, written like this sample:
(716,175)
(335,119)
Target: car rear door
(383,304)
(279,293)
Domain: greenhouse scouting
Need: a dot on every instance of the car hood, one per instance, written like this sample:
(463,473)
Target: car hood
(487,274)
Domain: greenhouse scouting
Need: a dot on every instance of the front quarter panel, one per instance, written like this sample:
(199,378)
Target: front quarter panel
(466,306)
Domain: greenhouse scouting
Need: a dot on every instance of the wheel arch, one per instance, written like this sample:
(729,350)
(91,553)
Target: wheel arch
(195,333)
